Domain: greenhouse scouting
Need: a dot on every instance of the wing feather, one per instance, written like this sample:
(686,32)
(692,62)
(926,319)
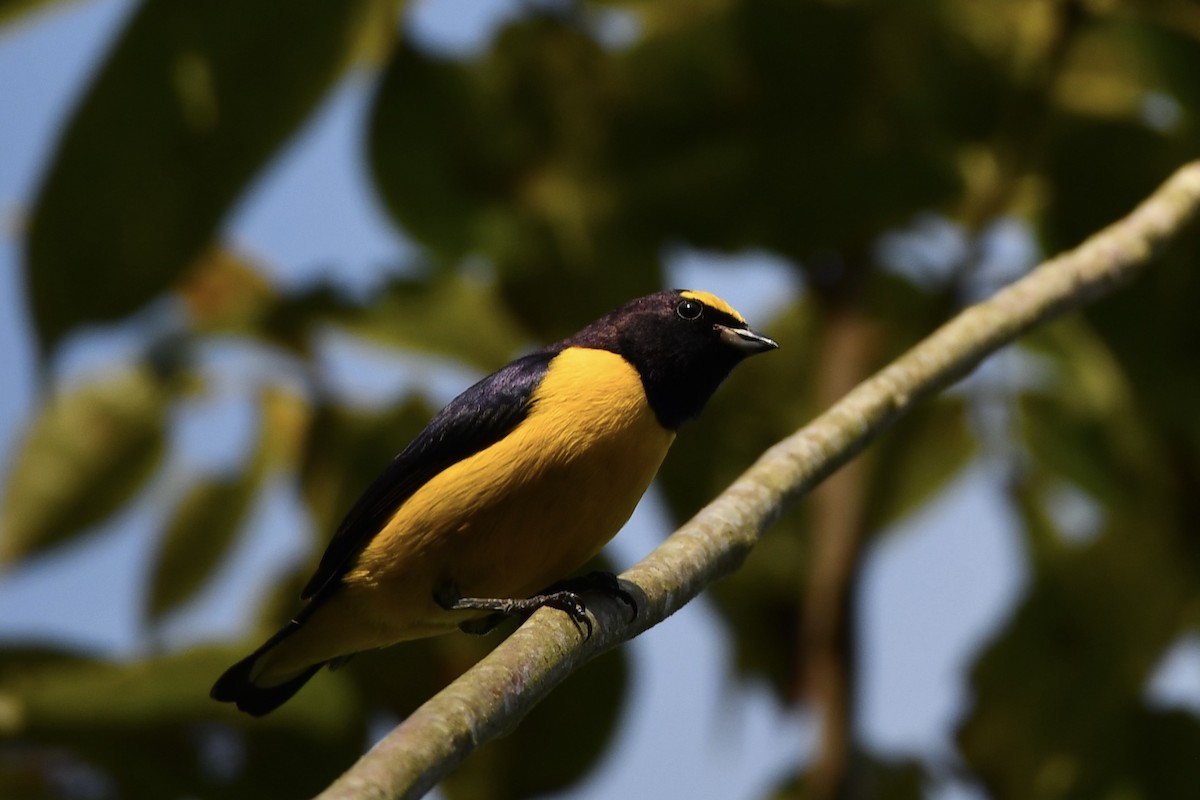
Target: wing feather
(476,419)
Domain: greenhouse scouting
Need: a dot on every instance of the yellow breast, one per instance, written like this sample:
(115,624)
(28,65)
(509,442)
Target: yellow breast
(532,508)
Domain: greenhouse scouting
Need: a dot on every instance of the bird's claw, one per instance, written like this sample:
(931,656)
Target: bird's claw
(604,583)
(564,596)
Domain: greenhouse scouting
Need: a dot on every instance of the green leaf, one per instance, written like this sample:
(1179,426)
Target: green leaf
(191,103)
(145,724)
(13,10)
(200,532)
(225,292)
(503,143)
(917,458)
(1059,708)
(504,162)
(84,457)
(1058,695)
(347,450)
(869,775)
(453,316)
(438,169)
(1084,424)
(205,523)
(19,778)
(728,133)
(761,607)
(1152,332)
(1127,100)
(400,678)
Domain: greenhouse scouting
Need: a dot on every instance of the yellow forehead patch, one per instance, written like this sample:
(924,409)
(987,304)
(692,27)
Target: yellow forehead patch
(712,301)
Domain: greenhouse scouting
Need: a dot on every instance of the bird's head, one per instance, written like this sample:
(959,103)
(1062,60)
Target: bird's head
(683,343)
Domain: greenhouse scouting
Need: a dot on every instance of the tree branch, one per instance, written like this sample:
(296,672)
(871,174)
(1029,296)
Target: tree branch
(495,694)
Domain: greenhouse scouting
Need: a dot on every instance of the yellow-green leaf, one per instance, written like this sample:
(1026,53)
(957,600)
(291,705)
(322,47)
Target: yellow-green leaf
(84,457)
(206,521)
(12,10)
(225,292)
(200,532)
(454,316)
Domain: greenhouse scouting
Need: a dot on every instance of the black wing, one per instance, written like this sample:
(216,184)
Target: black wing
(476,419)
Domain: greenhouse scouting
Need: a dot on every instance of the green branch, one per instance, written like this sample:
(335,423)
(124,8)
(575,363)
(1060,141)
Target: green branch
(495,694)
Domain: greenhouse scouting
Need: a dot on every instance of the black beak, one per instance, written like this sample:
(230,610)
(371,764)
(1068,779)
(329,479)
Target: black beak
(745,340)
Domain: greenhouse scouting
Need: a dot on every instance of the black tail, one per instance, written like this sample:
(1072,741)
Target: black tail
(236,686)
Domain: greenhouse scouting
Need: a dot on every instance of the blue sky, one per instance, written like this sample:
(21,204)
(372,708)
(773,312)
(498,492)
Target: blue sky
(933,588)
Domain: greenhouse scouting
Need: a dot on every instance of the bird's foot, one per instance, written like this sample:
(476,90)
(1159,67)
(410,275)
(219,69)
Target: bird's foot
(564,600)
(566,596)
(604,583)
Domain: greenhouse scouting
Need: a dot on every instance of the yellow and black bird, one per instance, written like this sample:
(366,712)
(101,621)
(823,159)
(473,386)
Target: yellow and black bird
(511,487)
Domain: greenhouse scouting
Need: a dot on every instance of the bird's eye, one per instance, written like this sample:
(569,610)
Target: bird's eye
(689,309)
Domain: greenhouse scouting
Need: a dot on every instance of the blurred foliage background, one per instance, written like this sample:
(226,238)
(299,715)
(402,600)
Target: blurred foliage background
(893,156)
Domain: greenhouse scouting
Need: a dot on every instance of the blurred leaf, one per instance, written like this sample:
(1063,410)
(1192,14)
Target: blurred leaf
(199,533)
(291,320)
(205,523)
(1128,103)
(1056,693)
(84,457)
(400,678)
(13,10)
(152,728)
(560,252)
(501,148)
(557,160)
(503,164)
(436,170)
(21,777)
(1084,425)
(1060,692)
(1158,756)
(347,450)
(1146,160)
(870,776)
(17,661)
(225,292)
(723,117)
(1152,332)
(453,316)
(63,695)
(191,103)
(917,458)
(761,607)
(286,421)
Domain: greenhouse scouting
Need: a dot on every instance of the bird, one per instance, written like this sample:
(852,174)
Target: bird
(509,489)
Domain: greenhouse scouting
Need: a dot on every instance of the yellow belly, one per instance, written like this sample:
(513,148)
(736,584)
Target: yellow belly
(509,520)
